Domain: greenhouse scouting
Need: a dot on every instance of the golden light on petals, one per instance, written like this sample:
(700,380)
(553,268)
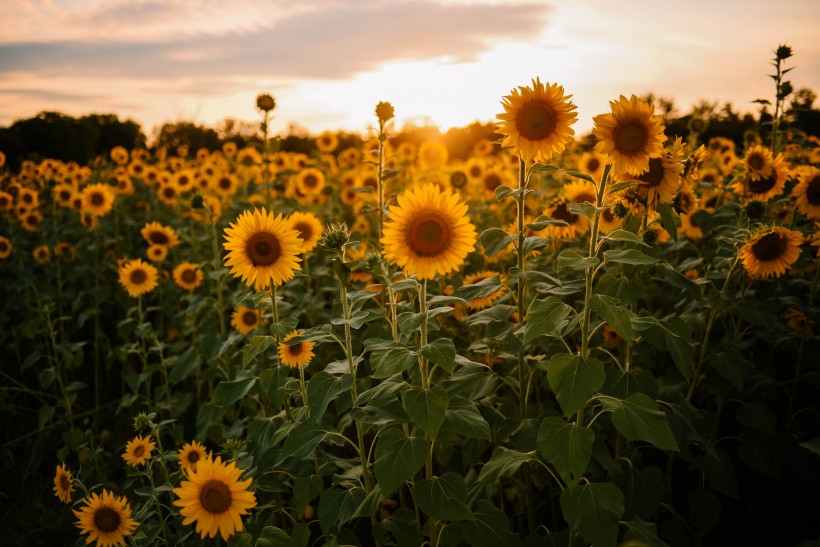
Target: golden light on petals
(309,227)
(769,254)
(63,484)
(106,519)
(807,193)
(295,355)
(188,276)
(244,319)
(630,135)
(190,454)
(138,450)
(138,277)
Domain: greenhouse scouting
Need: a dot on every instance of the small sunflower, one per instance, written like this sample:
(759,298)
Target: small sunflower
(106,519)
(190,454)
(428,232)
(537,121)
(484,301)
(120,155)
(138,450)
(310,181)
(42,254)
(138,277)
(157,234)
(491,179)
(244,319)
(592,164)
(262,249)
(225,185)
(214,498)
(156,253)
(98,199)
(807,193)
(31,220)
(5,247)
(630,135)
(327,142)
(188,276)
(768,254)
(661,180)
(295,355)
(559,210)
(690,227)
(432,155)
(309,228)
(6,201)
(63,484)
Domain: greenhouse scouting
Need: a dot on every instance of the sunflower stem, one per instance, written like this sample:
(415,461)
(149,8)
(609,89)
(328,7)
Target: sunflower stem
(155,495)
(425,384)
(520,285)
(381,184)
(218,260)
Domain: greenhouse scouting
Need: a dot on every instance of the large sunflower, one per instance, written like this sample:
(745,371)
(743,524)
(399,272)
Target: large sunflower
(98,199)
(244,319)
(138,450)
(190,454)
(295,355)
(188,276)
(63,484)
(536,121)
(764,188)
(262,249)
(630,135)
(214,498)
(768,254)
(428,232)
(309,228)
(138,277)
(106,519)
(807,193)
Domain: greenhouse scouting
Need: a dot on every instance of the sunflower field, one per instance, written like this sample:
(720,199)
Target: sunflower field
(602,341)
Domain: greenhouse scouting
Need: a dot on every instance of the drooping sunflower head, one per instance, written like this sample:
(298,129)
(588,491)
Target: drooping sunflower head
(262,249)
(769,253)
(629,135)
(188,276)
(244,319)
(807,193)
(98,199)
(428,232)
(295,355)
(214,498)
(63,484)
(537,121)
(106,519)
(309,227)
(138,277)
(190,454)
(138,450)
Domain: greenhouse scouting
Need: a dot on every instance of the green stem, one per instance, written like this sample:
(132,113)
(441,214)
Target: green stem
(520,285)
(217,260)
(382,137)
(155,495)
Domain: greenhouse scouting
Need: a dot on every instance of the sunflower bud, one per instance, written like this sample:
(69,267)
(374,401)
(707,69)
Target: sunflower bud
(384,111)
(620,210)
(143,421)
(650,237)
(783,52)
(197,201)
(755,209)
(335,237)
(265,102)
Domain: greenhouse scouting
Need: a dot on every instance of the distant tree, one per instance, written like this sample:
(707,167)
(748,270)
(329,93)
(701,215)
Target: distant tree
(172,135)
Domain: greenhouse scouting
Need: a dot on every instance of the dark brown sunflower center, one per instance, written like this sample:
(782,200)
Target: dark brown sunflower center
(106,520)
(458,179)
(249,318)
(630,138)
(654,176)
(65,484)
(813,191)
(193,456)
(593,164)
(97,199)
(475,171)
(584,197)
(263,249)
(755,161)
(139,450)
(225,183)
(371,182)
(188,276)
(763,184)
(305,230)
(608,215)
(158,238)
(492,181)
(536,120)
(295,350)
(183,181)
(138,276)
(215,497)
(4,247)
(169,192)
(429,234)
(311,181)
(28,198)
(562,213)
(769,247)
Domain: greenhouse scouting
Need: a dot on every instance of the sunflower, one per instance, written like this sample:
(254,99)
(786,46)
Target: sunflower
(262,249)
(190,454)
(310,181)
(97,199)
(592,164)
(630,135)
(63,484)
(482,302)
(6,201)
(63,194)
(432,155)
(225,185)
(576,223)
(660,182)
(327,142)
(184,180)
(768,254)
(188,276)
(28,197)
(168,194)
(106,519)
(156,253)
(120,155)
(536,121)
(138,277)
(428,232)
(689,225)
(764,188)
(214,498)
(244,319)
(807,193)
(491,179)
(295,355)
(156,234)
(138,450)
(758,162)
(5,247)
(309,228)
(41,254)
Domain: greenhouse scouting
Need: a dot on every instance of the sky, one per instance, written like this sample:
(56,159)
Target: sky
(442,62)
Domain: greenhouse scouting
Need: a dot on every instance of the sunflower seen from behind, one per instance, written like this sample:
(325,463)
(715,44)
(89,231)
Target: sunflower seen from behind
(295,355)
(537,121)
(213,498)
(263,249)
(138,277)
(428,232)
(106,519)
(771,252)
(629,135)
(63,483)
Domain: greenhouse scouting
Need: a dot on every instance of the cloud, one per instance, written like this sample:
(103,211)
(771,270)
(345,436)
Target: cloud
(343,39)
(46,95)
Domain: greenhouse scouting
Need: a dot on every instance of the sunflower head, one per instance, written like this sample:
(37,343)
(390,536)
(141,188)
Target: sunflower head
(5,247)
(138,277)
(265,102)
(244,319)
(309,227)
(63,484)
(98,199)
(190,454)
(537,121)
(295,355)
(106,519)
(770,253)
(384,112)
(428,232)
(188,276)
(138,450)
(629,135)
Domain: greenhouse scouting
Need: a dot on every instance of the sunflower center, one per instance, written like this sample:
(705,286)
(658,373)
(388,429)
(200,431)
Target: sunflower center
(311,181)
(64,484)
(158,238)
(371,182)
(138,276)
(188,276)
(763,184)
(215,497)
(755,161)
(97,199)
(106,520)
(536,121)
(562,213)
(584,197)
(630,138)
(224,183)
(249,318)
(429,234)
(263,249)
(458,179)
(475,171)
(305,231)
(593,164)
(654,176)
(769,247)
(813,191)
(492,181)
(139,450)
(295,350)
(193,456)
(183,181)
